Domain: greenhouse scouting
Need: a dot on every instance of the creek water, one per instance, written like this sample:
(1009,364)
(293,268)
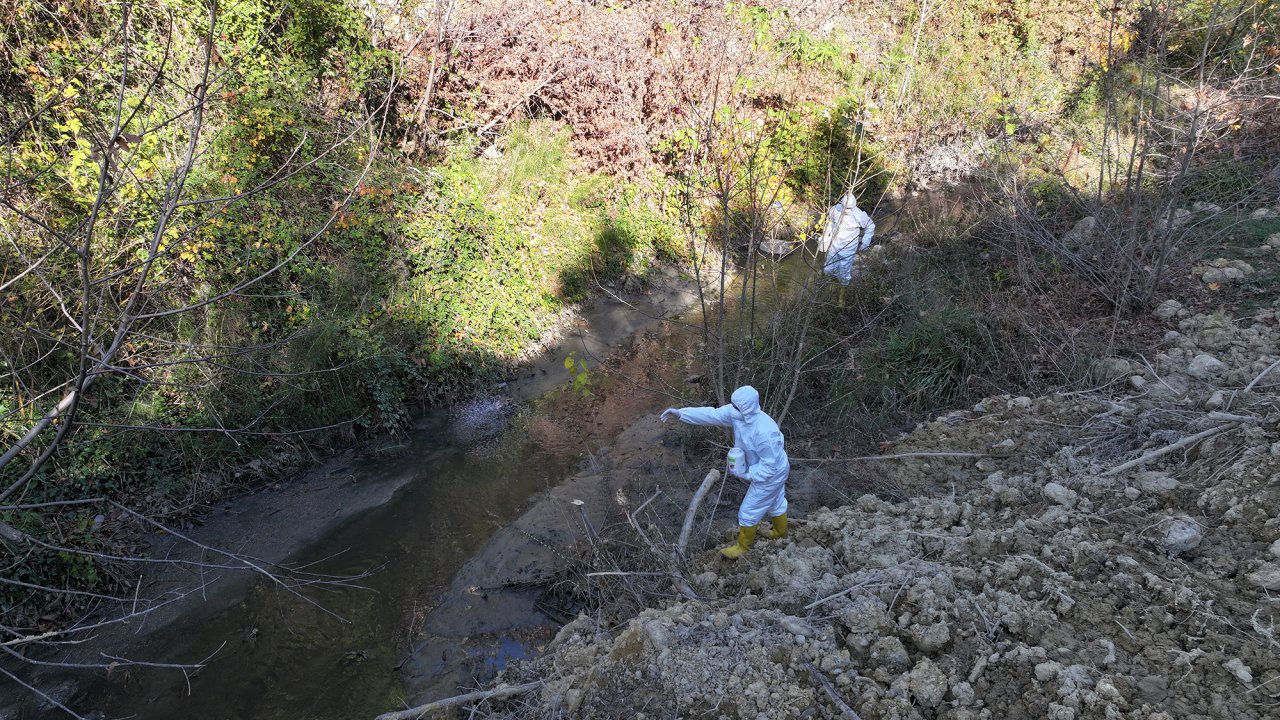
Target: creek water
(276,656)
(460,475)
(464,475)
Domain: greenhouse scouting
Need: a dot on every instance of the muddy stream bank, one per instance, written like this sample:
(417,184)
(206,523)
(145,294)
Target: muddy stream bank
(442,527)
(405,517)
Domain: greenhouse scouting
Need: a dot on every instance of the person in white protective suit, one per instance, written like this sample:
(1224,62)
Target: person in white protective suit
(767,466)
(848,231)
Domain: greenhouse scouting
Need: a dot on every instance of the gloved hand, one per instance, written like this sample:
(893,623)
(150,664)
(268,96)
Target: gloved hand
(669,413)
(736,474)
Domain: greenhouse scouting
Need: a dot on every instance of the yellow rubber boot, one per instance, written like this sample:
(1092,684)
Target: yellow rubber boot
(779,529)
(746,538)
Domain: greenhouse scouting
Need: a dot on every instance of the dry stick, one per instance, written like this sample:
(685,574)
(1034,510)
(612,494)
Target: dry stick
(676,578)
(49,635)
(694,504)
(250,563)
(1232,417)
(1184,442)
(1261,375)
(899,456)
(842,593)
(1254,382)
(498,693)
(51,700)
(13,534)
(831,692)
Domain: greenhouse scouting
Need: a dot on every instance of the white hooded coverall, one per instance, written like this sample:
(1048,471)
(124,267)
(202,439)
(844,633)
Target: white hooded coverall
(848,231)
(762,443)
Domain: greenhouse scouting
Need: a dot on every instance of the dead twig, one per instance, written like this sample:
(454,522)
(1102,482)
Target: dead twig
(898,456)
(1184,442)
(1261,375)
(844,592)
(677,579)
(831,692)
(498,693)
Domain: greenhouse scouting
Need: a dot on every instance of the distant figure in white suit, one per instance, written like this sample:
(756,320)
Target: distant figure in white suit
(848,231)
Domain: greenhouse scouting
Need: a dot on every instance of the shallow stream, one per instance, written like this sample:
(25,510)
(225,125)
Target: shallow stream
(278,657)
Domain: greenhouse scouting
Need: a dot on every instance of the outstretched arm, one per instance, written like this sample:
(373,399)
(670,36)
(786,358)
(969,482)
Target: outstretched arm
(718,417)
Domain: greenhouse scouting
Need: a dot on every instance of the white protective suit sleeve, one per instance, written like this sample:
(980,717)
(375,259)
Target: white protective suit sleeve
(717,417)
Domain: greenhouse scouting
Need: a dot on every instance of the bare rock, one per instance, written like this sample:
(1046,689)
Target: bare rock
(1180,535)
(658,634)
(1080,233)
(928,684)
(1242,672)
(1266,577)
(795,626)
(1181,216)
(890,653)
(1215,401)
(1275,549)
(1206,367)
(1059,494)
(1107,690)
(1167,309)
(1047,671)
(1004,448)
(962,694)
(1108,369)
(931,638)
(1137,382)
(1222,276)
(1156,483)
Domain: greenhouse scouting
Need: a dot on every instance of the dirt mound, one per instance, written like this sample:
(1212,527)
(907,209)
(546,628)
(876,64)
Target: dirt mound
(1079,568)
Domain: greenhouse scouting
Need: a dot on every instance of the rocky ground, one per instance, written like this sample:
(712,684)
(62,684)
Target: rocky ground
(1112,553)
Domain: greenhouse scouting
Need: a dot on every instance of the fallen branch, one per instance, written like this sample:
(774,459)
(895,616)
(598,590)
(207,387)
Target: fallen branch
(1233,418)
(1184,442)
(8,532)
(498,693)
(694,504)
(899,456)
(831,692)
(1261,375)
(676,578)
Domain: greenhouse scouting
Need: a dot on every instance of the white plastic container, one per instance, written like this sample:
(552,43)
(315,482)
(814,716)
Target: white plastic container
(738,461)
